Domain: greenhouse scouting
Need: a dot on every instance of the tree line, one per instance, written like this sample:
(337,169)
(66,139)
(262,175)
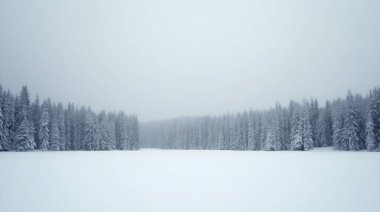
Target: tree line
(27,126)
(349,124)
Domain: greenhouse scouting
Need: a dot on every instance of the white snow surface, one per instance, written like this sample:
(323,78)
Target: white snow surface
(189,180)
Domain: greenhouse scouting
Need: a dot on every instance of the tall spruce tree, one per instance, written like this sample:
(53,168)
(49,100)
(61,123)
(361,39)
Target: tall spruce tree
(326,124)
(35,117)
(43,134)
(91,135)
(338,126)
(370,139)
(61,126)
(351,125)
(105,136)
(3,144)
(251,132)
(302,135)
(54,136)
(272,142)
(23,139)
(373,121)
(9,120)
(314,113)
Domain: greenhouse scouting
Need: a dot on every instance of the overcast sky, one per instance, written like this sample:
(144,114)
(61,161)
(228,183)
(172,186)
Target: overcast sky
(167,58)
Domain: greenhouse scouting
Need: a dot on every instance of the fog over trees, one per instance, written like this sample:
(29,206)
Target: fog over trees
(349,124)
(27,126)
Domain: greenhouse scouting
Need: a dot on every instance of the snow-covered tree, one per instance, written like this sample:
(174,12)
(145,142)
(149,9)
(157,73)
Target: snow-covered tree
(234,136)
(3,143)
(302,134)
(351,126)
(135,133)
(25,100)
(338,126)
(314,113)
(370,139)
(23,139)
(92,135)
(120,131)
(373,121)
(105,136)
(325,123)
(35,118)
(297,141)
(9,121)
(61,127)
(257,131)
(32,131)
(44,130)
(307,134)
(54,136)
(225,139)
(272,142)
(251,132)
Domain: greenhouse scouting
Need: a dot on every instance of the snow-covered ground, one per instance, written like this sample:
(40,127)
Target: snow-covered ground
(169,180)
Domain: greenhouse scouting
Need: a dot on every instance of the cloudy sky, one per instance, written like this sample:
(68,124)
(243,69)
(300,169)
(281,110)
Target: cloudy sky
(167,58)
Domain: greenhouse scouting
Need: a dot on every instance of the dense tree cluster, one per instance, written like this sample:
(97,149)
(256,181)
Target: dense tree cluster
(351,124)
(26,126)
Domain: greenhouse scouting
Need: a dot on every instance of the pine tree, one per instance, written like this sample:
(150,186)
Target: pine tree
(54,136)
(243,131)
(251,132)
(3,143)
(91,137)
(61,126)
(32,131)
(135,133)
(120,131)
(220,139)
(314,116)
(22,106)
(338,126)
(43,134)
(9,121)
(373,121)
(71,128)
(35,117)
(326,124)
(25,99)
(225,138)
(295,134)
(351,126)
(105,137)
(284,125)
(272,142)
(297,143)
(23,140)
(307,134)
(370,139)
(351,131)
(129,135)
(302,134)
(257,132)
(263,134)
(234,136)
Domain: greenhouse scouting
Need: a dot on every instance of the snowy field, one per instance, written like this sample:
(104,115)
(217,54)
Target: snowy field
(169,180)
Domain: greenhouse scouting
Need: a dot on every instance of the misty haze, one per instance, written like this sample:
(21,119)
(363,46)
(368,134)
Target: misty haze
(189,105)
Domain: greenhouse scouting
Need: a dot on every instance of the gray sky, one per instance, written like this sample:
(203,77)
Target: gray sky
(162,59)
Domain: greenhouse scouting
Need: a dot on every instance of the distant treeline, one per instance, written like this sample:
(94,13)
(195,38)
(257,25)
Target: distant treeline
(349,124)
(26,126)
